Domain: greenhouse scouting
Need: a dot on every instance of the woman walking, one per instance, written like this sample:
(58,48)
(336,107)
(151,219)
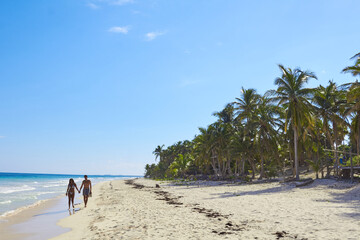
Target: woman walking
(71,191)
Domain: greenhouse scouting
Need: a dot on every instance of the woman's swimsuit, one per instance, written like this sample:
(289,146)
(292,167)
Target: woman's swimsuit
(71,190)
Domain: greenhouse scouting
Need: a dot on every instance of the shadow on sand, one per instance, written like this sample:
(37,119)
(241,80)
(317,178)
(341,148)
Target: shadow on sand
(277,189)
(57,212)
(214,184)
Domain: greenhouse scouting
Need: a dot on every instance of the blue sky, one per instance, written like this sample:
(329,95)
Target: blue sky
(93,86)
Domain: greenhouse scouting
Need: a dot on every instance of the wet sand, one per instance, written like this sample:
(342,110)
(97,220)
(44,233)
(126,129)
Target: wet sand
(37,222)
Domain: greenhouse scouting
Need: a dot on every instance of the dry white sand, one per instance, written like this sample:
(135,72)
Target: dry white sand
(326,209)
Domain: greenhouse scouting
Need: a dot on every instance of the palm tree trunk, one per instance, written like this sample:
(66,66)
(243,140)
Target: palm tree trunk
(229,166)
(213,163)
(252,164)
(262,167)
(242,167)
(224,168)
(291,161)
(214,168)
(296,153)
(358,141)
(219,165)
(335,147)
(253,171)
(223,173)
(236,167)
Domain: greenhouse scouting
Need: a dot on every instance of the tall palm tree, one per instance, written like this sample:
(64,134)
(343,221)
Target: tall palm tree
(245,111)
(222,133)
(267,125)
(353,97)
(292,94)
(322,101)
(329,102)
(353,109)
(204,149)
(354,70)
(246,104)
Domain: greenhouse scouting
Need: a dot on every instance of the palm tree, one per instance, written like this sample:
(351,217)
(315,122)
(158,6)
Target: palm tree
(222,133)
(329,102)
(267,125)
(204,143)
(354,70)
(353,97)
(180,164)
(226,115)
(245,110)
(353,109)
(158,152)
(292,94)
(246,104)
(322,101)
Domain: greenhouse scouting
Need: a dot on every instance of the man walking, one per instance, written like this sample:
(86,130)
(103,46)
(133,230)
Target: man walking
(87,189)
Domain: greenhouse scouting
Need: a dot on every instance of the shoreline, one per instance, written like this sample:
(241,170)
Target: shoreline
(39,220)
(28,222)
(16,211)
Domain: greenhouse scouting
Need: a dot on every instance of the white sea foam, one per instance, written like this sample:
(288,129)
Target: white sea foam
(22,188)
(53,185)
(17,194)
(14,212)
(42,193)
(27,197)
(8,213)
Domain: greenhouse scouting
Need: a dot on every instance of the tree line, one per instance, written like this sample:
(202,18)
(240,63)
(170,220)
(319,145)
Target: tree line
(285,128)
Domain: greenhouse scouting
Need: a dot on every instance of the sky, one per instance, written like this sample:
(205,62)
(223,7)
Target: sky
(93,86)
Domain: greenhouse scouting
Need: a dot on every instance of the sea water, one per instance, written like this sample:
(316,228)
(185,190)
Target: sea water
(20,190)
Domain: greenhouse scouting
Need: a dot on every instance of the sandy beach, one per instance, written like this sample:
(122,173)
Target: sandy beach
(136,209)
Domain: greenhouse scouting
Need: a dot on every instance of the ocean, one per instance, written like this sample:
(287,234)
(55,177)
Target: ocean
(21,190)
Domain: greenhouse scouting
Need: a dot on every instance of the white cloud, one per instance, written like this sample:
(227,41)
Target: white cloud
(2,136)
(188,82)
(120,2)
(152,35)
(108,2)
(123,30)
(92,6)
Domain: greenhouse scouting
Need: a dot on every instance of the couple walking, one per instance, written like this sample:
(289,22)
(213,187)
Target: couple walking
(70,192)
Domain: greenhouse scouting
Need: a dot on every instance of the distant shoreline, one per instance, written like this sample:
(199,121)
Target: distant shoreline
(20,190)
(29,218)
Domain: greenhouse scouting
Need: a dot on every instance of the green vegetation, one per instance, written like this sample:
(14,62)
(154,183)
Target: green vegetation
(285,128)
